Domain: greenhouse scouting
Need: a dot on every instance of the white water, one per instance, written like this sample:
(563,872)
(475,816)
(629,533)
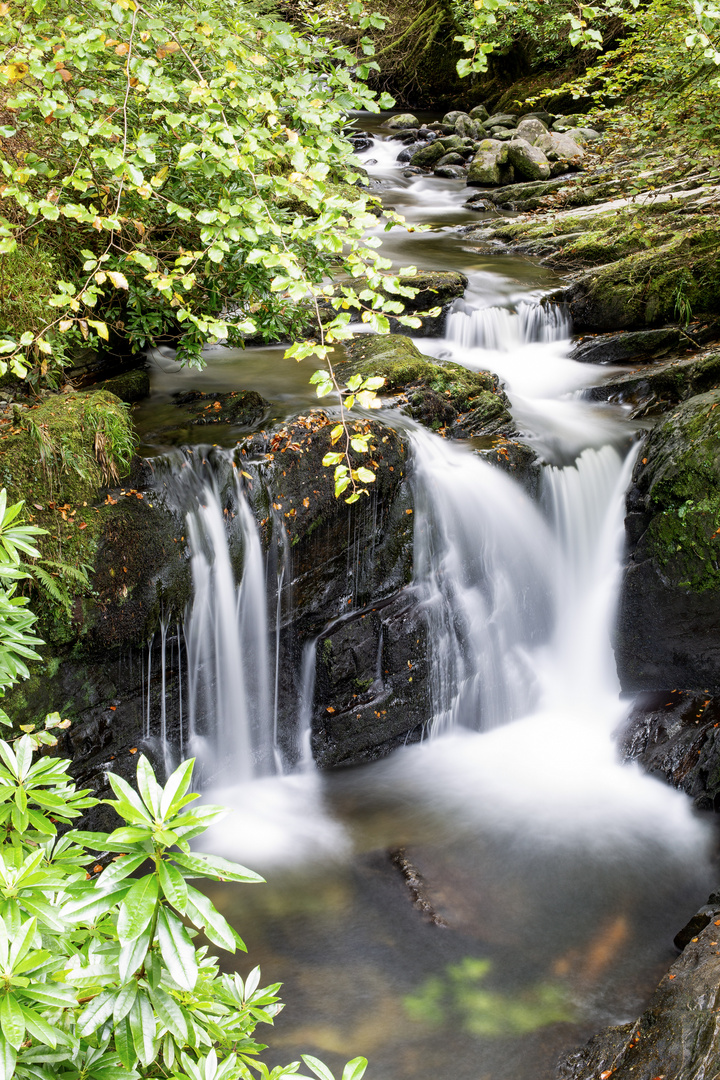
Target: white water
(229,670)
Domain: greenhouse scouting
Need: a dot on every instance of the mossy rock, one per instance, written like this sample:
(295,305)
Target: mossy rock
(130,387)
(67,456)
(668,627)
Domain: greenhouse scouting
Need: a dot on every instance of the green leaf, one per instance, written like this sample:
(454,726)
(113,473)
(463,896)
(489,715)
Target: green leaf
(142,1029)
(365,475)
(355,1069)
(178,951)
(137,909)
(176,787)
(12,1020)
(96,1012)
(124,1001)
(124,1043)
(150,790)
(205,915)
(173,885)
(119,869)
(214,867)
(170,1013)
(8,1057)
(132,955)
(318,1067)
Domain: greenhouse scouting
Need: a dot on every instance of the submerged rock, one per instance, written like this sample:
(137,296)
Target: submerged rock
(670,596)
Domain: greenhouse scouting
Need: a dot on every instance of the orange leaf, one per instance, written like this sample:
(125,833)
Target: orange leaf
(64,75)
(133,749)
(330,709)
(122,49)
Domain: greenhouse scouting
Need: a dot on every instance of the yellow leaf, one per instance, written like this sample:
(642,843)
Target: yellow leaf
(14,72)
(257,59)
(99,327)
(122,49)
(65,324)
(119,280)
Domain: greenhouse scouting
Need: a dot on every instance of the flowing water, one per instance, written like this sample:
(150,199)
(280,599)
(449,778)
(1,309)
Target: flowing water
(559,875)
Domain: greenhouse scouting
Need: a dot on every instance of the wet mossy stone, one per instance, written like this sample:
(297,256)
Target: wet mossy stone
(429,155)
(528,162)
(131,387)
(670,598)
(244,408)
(440,396)
(402,120)
(479,112)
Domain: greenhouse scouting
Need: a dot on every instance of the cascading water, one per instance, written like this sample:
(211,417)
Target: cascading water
(557,868)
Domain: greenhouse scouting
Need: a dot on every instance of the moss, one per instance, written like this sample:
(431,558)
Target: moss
(402,364)
(681,472)
(28,276)
(57,455)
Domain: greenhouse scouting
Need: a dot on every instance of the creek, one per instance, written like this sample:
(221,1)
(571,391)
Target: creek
(558,874)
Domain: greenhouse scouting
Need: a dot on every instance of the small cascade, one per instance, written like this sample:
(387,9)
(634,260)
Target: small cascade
(501,330)
(230,710)
(483,573)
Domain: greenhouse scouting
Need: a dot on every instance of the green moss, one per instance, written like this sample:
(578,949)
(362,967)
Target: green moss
(28,276)
(683,472)
(56,456)
(131,386)
(402,364)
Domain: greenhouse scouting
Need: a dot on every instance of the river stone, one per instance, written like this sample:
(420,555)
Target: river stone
(406,135)
(560,148)
(450,172)
(403,120)
(428,155)
(528,161)
(452,158)
(545,117)
(506,120)
(501,133)
(409,151)
(485,167)
(471,129)
(591,135)
(670,595)
(479,112)
(452,118)
(531,129)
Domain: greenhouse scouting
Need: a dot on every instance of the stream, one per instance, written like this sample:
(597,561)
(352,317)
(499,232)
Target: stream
(557,874)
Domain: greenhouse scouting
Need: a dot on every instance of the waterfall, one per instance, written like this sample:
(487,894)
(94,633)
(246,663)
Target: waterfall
(230,696)
(482,553)
(503,330)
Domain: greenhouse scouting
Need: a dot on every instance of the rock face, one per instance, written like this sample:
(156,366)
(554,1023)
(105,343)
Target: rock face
(673,734)
(678,1035)
(668,622)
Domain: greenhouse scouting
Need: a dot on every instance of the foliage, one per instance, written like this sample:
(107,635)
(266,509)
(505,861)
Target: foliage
(101,976)
(18,642)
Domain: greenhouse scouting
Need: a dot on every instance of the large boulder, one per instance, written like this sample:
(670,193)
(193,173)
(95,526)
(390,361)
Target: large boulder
(670,598)
(527,161)
(479,112)
(469,128)
(561,148)
(487,167)
(506,120)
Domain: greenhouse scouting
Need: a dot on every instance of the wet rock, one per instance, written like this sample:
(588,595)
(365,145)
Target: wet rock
(627,346)
(678,1035)
(445,397)
(360,143)
(527,161)
(403,120)
(450,172)
(656,388)
(667,628)
(673,734)
(695,926)
(409,151)
(479,112)
(450,159)
(406,136)
(469,128)
(428,155)
(531,128)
